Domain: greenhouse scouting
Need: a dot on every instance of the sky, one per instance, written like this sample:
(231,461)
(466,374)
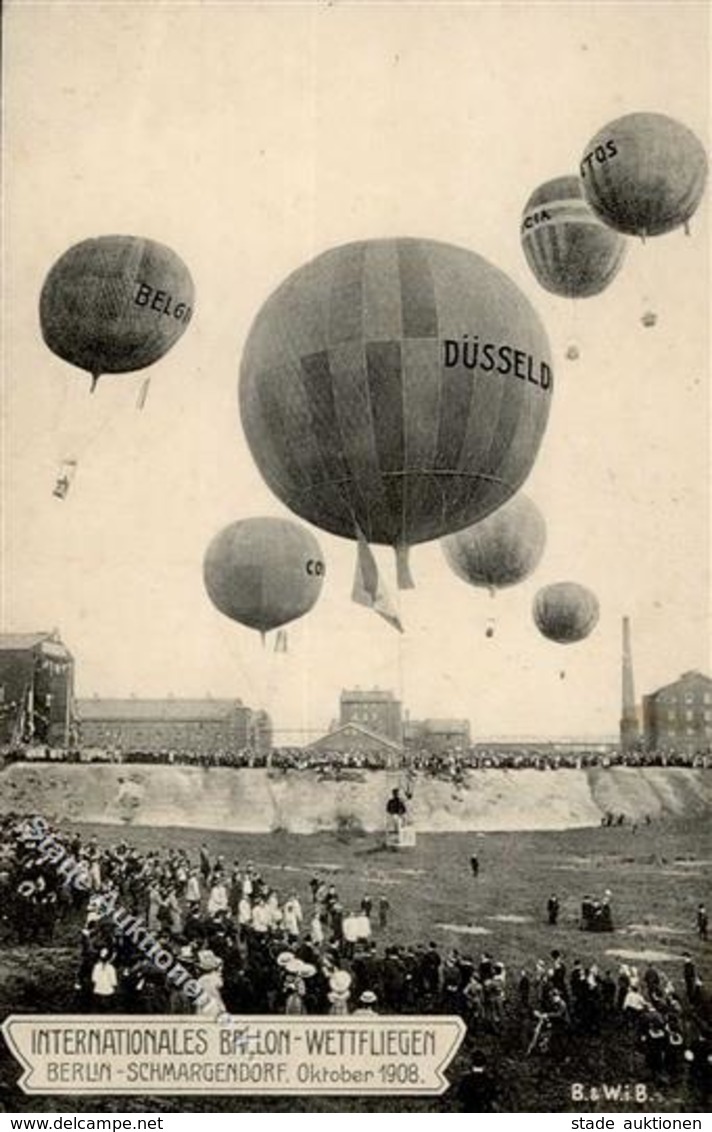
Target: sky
(249,138)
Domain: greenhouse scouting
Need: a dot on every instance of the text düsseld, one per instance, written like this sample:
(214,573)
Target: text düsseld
(490,358)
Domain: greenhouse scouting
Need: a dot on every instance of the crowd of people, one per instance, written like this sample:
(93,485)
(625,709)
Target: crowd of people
(254,950)
(451,763)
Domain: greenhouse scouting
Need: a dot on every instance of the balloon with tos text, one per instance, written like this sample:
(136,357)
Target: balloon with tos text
(644,174)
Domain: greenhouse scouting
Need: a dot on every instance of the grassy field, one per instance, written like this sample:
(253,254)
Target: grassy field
(657,876)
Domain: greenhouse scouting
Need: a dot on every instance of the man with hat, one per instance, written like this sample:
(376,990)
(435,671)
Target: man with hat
(367,1003)
(477,1090)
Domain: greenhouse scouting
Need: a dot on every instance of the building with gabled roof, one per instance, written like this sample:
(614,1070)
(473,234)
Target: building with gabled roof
(359,743)
(438,735)
(36,690)
(202,726)
(678,716)
(376,709)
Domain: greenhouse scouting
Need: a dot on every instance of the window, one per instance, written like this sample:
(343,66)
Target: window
(671,716)
(689,698)
(688,716)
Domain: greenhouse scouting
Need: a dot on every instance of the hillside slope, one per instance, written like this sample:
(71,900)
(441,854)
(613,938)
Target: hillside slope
(256,801)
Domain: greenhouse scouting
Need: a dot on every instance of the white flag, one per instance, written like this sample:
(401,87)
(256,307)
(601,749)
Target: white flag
(368,588)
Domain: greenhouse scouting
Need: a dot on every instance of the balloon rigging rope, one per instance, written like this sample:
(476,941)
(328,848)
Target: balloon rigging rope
(111,415)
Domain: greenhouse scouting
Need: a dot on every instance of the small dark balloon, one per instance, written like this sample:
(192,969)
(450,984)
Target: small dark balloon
(565,612)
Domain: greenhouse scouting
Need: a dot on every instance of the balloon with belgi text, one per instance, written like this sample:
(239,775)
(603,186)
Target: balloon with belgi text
(115,304)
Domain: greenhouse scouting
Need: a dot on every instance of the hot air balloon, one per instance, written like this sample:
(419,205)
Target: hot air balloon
(263,572)
(395,389)
(644,174)
(502,549)
(115,304)
(567,247)
(565,612)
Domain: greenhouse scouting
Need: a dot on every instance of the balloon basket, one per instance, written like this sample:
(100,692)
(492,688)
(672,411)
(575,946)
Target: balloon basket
(401,838)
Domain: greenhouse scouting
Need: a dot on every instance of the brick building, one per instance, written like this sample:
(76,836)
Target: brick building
(678,716)
(375,709)
(36,690)
(438,735)
(206,726)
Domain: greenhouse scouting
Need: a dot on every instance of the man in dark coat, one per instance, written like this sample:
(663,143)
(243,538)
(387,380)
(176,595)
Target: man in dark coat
(477,1090)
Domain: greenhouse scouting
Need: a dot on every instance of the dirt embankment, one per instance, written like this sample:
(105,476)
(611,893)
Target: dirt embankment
(300,802)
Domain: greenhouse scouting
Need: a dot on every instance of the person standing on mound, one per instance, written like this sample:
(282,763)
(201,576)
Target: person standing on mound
(396,807)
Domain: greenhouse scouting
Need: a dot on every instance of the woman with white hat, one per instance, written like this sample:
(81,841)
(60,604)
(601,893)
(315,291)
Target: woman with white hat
(218,898)
(338,996)
(292,916)
(294,1003)
(316,929)
(210,981)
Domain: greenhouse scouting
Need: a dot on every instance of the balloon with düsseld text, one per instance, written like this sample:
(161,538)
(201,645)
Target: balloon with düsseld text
(395,390)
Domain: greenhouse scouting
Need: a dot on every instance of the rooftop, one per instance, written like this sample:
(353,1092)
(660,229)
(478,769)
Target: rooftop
(355,729)
(367,695)
(17,641)
(168,710)
(693,676)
